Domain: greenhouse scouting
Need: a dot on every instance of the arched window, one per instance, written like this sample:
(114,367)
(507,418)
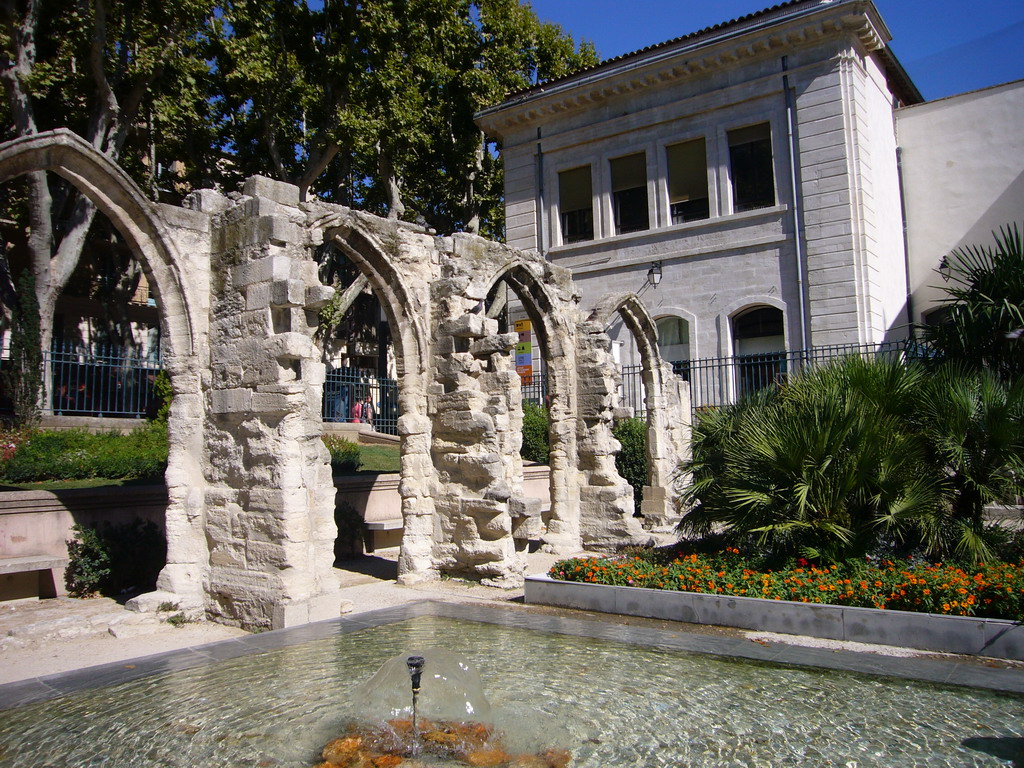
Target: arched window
(673,338)
(760,347)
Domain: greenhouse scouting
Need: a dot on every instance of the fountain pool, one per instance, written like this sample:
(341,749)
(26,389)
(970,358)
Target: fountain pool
(611,703)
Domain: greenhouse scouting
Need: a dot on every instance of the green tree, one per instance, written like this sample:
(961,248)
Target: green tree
(371,103)
(535,433)
(631,460)
(982,326)
(124,75)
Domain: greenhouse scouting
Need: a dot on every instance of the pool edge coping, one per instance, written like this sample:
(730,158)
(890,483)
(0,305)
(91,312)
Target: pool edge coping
(963,635)
(954,671)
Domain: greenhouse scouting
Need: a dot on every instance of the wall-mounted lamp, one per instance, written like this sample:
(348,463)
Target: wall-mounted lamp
(654,274)
(944,268)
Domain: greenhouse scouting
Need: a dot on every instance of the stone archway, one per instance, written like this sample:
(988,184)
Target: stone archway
(547,296)
(250,522)
(666,403)
(405,304)
(156,245)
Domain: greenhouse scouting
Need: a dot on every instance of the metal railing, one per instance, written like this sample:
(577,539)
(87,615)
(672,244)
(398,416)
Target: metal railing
(110,382)
(347,392)
(716,381)
(101,381)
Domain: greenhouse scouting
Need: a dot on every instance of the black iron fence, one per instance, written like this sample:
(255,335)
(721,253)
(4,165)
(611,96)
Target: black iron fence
(101,381)
(718,381)
(351,395)
(109,382)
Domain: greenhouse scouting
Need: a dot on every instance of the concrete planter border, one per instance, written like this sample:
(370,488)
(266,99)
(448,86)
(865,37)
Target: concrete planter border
(998,638)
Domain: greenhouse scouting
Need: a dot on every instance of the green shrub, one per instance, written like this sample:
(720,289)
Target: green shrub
(163,393)
(113,559)
(535,433)
(344,454)
(89,562)
(78,455)
(631,462)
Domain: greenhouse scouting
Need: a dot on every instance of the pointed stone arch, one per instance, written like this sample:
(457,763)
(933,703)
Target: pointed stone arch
(409,331)
(548,301)
(140,223)
(666,401)
(115,194)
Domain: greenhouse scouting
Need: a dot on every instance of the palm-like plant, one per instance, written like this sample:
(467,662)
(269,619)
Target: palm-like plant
(985,301)
(974,423)
(821,467)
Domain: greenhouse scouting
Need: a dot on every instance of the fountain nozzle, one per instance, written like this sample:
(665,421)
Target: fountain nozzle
(415,665)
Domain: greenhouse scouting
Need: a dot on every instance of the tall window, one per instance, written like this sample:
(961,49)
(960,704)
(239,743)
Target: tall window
(688,181)
(575,205)
(629,193)
(674,344)
(674,339)
(750,160)
(760,348)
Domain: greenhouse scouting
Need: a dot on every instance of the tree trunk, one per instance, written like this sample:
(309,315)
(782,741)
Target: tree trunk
(392,189)
(471,201)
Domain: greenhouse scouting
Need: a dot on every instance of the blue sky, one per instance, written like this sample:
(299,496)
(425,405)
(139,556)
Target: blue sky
(947,46)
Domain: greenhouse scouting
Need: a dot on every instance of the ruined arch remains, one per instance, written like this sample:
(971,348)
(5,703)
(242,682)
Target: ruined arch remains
(251,516)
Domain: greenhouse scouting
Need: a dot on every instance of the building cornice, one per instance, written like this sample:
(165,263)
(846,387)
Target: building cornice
(699,55)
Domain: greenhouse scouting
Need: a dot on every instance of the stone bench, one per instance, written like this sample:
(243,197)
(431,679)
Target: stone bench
(371,541)
(31,576)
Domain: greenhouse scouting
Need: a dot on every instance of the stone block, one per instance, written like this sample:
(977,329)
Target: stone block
(466,423)
(524,506)
(469,326)
(206,201)
(276,402)
(413,424)
(527,528)
(501,343)
(272,189)
(288,293)
(317,296)
(231,400)
(290,346)
(148,602)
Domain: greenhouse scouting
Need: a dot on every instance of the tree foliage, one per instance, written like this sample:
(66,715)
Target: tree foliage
(631,460)
(367,103)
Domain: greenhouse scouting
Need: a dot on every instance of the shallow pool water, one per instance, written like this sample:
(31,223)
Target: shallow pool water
(611,704)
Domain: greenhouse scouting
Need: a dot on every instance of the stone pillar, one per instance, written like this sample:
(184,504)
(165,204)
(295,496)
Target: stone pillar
(470,425)
(668,443)
(270,499)
(606,500)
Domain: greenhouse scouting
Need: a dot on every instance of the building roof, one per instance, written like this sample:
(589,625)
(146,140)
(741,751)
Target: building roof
(900,81)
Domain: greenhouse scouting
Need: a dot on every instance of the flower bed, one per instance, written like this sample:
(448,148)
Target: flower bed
(989,590)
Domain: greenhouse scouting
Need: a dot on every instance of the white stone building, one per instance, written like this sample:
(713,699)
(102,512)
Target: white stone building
(754,166)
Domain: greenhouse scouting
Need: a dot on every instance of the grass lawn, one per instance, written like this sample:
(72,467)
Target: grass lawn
(377,459)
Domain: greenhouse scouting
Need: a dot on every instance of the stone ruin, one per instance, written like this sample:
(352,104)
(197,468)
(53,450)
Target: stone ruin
(250,521)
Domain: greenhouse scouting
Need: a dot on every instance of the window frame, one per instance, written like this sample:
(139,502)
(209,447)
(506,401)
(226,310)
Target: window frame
(559,213)
(729,167)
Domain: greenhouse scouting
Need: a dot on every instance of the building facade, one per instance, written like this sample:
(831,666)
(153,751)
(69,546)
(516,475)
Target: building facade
(744,179)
